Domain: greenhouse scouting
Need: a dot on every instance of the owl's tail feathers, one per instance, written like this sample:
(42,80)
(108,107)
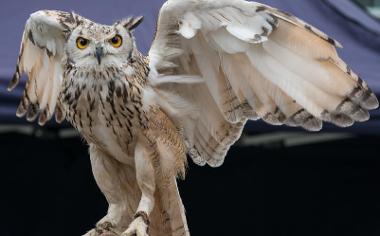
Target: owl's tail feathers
(168,217)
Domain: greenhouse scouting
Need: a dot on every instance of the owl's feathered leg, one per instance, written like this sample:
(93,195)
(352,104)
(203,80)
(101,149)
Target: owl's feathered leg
(116,181)
(145,175)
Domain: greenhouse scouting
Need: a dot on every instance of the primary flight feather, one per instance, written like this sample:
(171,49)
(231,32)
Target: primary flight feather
(213,65)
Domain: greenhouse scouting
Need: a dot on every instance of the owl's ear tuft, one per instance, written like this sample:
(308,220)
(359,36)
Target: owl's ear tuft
(131,23)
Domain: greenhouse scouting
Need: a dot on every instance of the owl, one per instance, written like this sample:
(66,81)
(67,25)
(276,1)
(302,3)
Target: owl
(213,65)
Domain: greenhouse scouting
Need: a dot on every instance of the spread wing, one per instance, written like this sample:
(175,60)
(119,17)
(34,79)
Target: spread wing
(222,62)
(40,58)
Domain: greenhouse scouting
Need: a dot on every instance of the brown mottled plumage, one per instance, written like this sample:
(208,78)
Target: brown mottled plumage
(213,65)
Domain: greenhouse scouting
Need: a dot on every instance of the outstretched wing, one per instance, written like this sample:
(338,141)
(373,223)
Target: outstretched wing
(254,62)
(40,58)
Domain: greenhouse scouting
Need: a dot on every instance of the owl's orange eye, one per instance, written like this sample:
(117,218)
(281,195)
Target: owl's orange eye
(116,41)
(82,43)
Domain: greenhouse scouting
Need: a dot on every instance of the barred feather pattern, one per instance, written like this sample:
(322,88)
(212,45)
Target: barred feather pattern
(113,107)
(41,58)
(111,95)
(213,65)
(256,62)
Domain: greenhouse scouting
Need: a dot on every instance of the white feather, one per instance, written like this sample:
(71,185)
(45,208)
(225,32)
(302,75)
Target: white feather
(40,57)
(255,61)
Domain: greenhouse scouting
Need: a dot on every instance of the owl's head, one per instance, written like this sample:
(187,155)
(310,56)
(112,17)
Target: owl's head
(94,45)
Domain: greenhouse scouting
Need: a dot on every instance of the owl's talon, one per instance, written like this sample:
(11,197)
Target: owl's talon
(138,227)
(108,226)
(103,229)
(91,233)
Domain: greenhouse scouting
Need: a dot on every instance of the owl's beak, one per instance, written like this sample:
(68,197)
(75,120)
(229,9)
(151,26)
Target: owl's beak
(99,53)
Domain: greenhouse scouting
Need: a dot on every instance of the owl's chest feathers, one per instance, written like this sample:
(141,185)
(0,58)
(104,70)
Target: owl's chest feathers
(105,106)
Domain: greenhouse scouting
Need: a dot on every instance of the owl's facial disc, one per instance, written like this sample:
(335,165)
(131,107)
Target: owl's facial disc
(100,46)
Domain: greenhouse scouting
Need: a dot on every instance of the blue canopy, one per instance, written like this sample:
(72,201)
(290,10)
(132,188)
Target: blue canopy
(341,19)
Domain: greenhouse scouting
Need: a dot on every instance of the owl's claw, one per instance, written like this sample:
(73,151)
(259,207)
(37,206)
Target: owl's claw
(106,229)
(103,229)
(91,233)
(138,227)
(104,226)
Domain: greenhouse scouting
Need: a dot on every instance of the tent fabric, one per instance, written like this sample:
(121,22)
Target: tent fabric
(341,19)
(356,15)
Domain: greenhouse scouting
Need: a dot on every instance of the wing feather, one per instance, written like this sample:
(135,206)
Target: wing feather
(255,62)
(40,58)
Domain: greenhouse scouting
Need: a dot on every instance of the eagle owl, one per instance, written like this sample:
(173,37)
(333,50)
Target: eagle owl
(213,65)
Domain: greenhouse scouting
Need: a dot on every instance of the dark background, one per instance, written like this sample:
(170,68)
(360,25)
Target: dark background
(329,188)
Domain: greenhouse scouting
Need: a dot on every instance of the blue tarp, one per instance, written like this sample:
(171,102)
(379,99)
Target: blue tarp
(341,19)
